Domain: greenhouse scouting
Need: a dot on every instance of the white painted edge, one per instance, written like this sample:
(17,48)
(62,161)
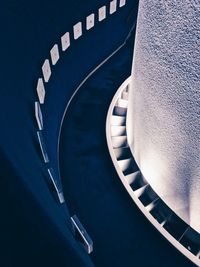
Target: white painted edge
(54,52)
(122,3)
(53,179)
(90,21)
(42,148)
(77,30)
(65,41)
(46,70)
(40,90)
(113,6)
(38,115)
(102,13)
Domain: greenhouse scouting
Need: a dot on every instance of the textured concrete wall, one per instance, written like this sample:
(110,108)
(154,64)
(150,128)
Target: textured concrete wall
(164,109)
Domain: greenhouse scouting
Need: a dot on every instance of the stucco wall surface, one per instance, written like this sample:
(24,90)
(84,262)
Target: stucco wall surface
(164,109)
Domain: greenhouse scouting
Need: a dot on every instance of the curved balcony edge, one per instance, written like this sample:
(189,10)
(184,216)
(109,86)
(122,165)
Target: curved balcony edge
(165,220)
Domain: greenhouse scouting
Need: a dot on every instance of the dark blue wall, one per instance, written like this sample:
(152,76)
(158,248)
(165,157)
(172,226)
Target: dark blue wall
(35,229)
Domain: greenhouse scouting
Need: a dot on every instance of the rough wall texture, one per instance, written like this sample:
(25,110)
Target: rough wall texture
(164,109)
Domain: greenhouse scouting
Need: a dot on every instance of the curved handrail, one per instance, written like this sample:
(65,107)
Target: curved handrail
(84,81)
(47,71)
(54,175)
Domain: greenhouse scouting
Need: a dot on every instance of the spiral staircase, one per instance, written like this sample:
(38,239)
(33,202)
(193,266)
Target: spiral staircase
(61,197)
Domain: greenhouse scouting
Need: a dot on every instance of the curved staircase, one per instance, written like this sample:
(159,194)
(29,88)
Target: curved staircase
(172,227)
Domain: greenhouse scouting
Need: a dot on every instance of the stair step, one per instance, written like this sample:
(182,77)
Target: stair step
(57,185)
(125,95)
(118,130)
(119,111)
(138,182)
(122,103)
(163,222)
(175,226)
(118,120)
(126,89)
(191,240)
(122,153)
(124,164)
(148,196)
(130,178)
(152,205)
(119,141)
(161,212)
(81,234)
(38,115)
(132,168)
(140,190)
(42,146)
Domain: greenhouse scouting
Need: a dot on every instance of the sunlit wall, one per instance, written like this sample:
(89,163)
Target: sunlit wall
(164,109)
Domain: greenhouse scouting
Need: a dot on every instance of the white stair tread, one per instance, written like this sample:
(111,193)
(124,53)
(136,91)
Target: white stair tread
(122,152)
(125,95)
(126,89)
(118,130)
(124,163)
(119,141)
(117,120)
(130,178)
(141,190)
(152,205)
(122,103)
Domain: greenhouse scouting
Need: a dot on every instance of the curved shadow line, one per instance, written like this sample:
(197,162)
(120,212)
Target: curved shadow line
(79,87)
